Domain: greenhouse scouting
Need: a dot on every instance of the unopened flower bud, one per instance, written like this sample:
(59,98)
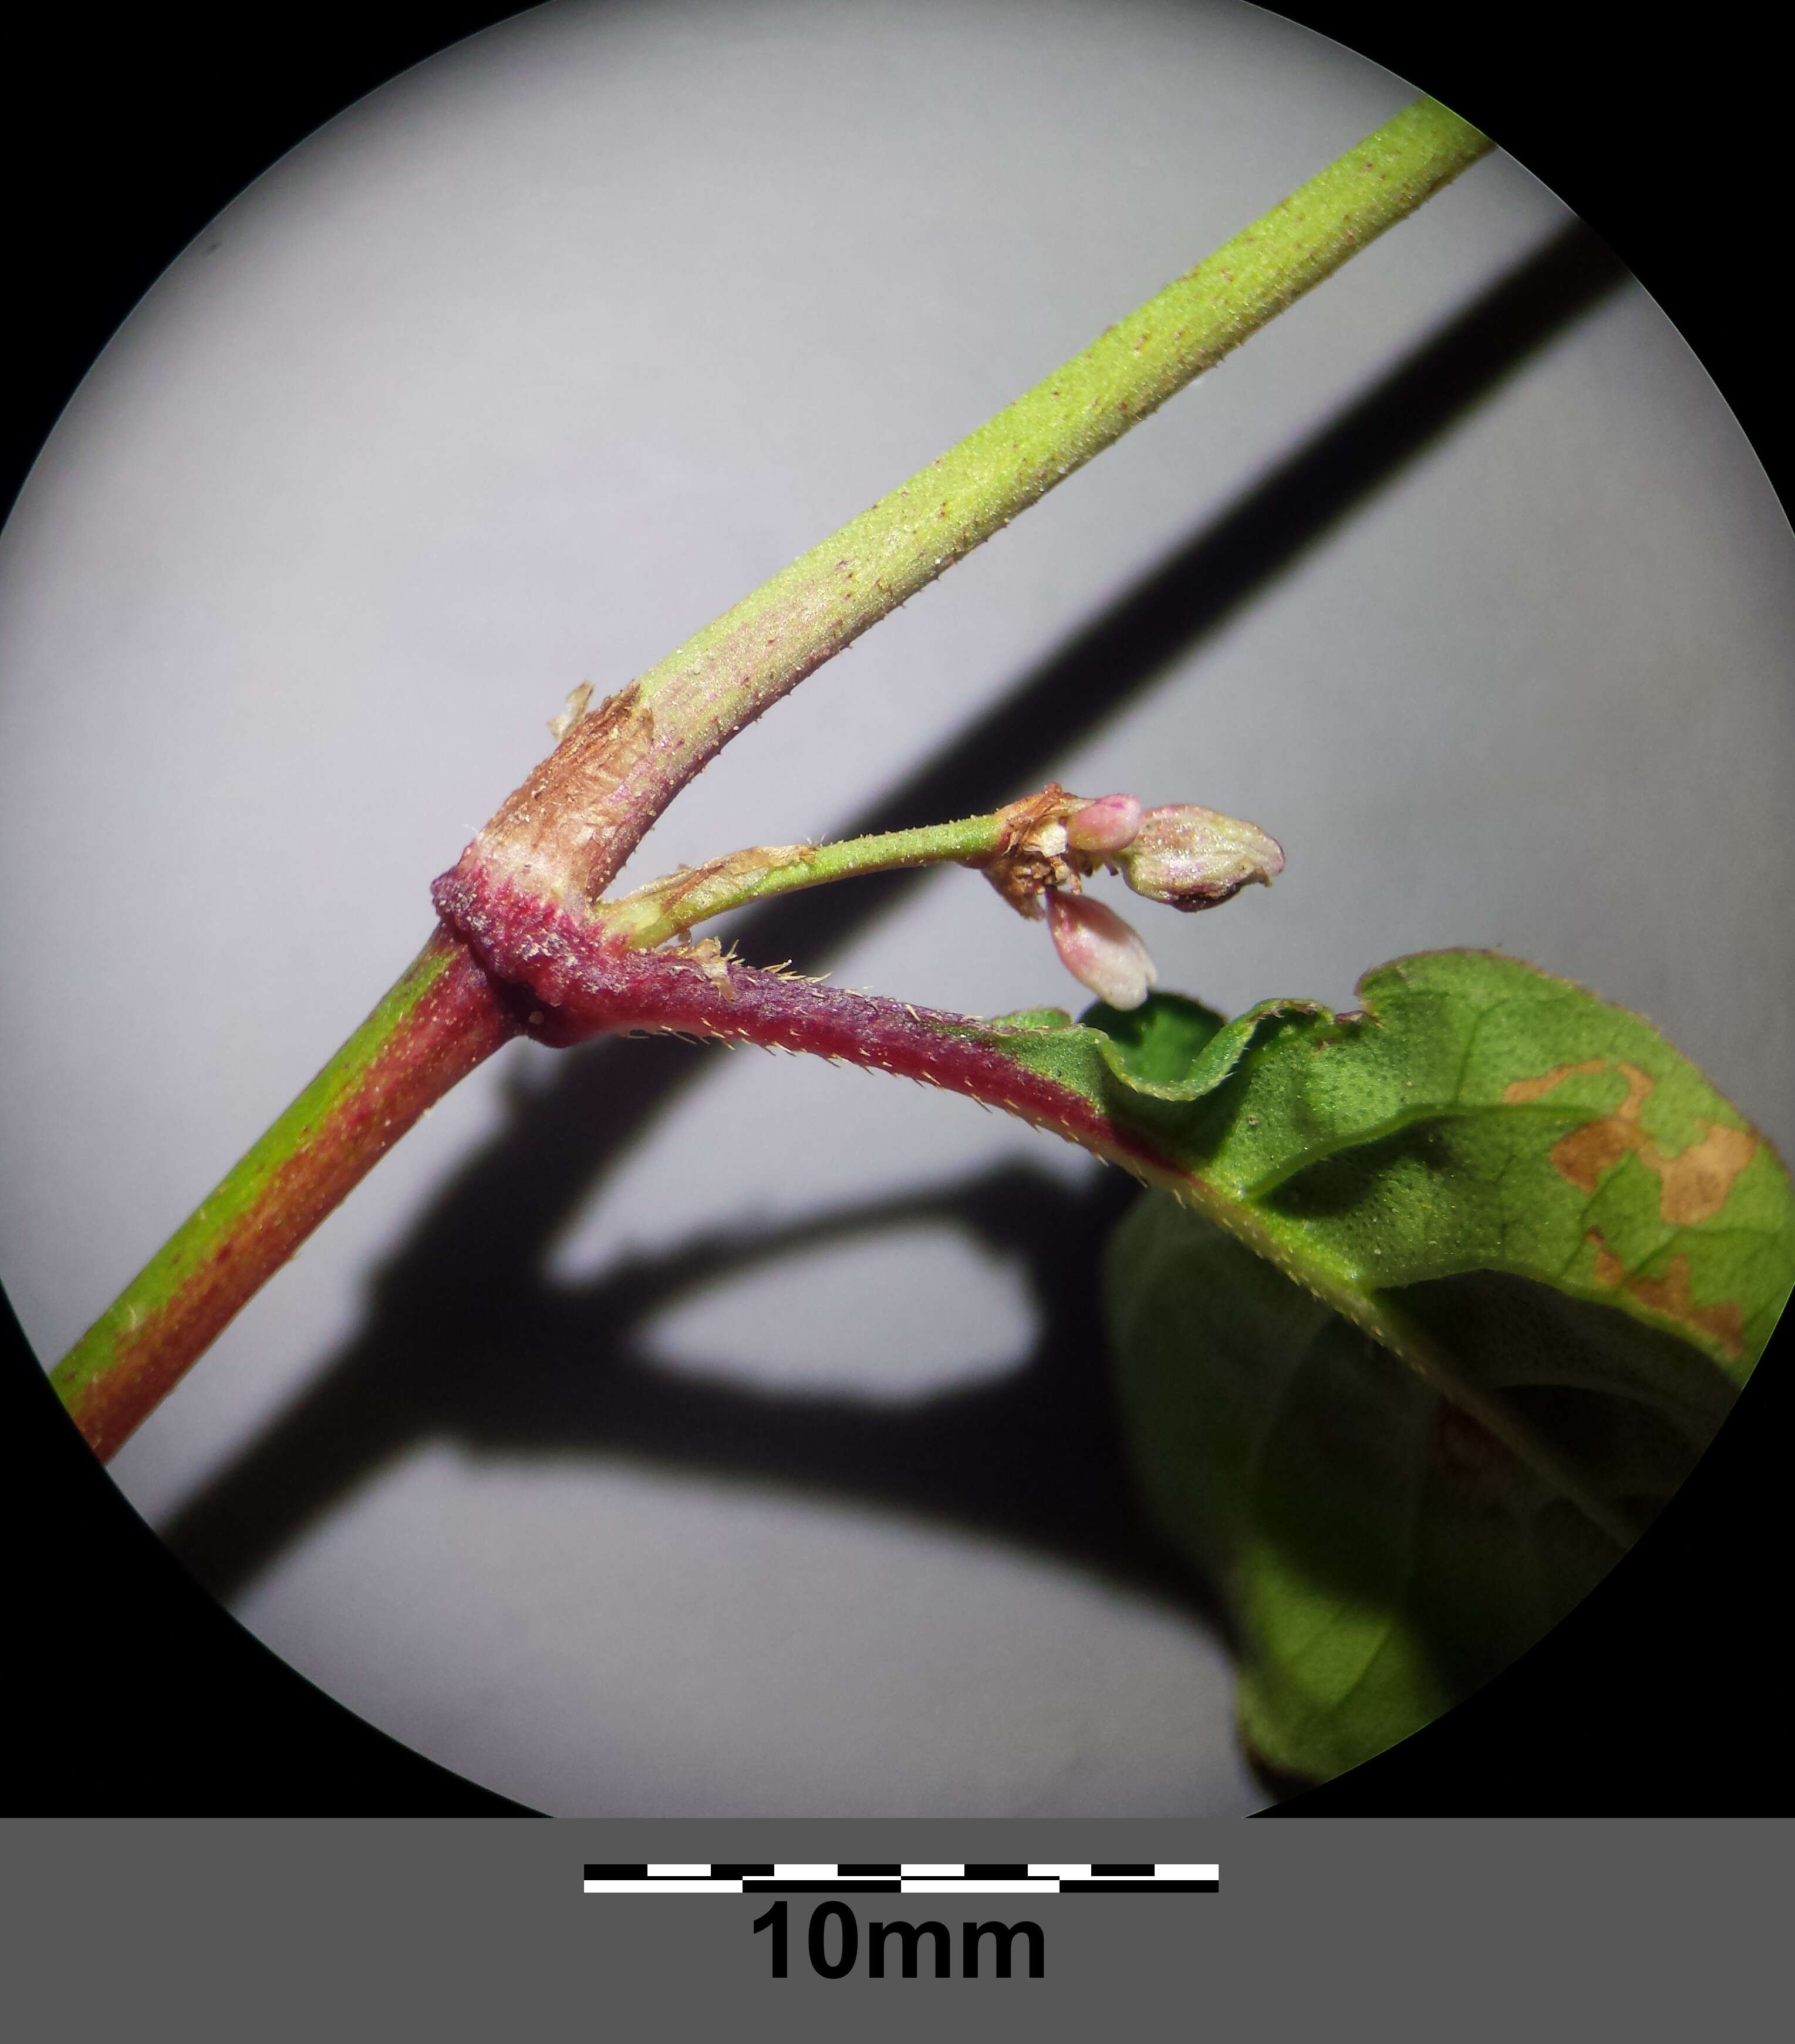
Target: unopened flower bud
(1099,950)
(1194,857)
(1104,826)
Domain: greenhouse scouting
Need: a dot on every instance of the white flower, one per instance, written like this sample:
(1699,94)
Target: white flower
(1104,826)
(1099,950)
(1194,857)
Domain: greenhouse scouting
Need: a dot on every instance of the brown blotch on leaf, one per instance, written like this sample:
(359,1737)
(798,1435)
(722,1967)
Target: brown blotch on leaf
(1583,1155)
(1696,1184)
(1693,1186)
(1521,1091)
(1609,1269)
(1724,1321)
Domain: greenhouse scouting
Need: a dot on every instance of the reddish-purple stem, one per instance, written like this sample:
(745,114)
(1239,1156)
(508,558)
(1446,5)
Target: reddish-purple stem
(584,983)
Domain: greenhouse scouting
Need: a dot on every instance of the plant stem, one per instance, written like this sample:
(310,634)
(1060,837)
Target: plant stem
(563,836)
(443,1018)
(589,982)
(673,905)
(568,829)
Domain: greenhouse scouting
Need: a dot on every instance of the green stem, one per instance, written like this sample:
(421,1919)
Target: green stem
(440,1021)
(568,830)
(671,906)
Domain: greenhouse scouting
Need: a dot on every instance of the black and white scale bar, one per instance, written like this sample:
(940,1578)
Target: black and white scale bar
(852,1877)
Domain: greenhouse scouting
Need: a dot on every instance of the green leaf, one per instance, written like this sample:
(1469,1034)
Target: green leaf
(1473,1114)
(1535,1256)
(1381,1554)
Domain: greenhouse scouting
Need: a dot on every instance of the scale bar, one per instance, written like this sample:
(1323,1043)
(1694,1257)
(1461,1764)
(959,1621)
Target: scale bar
(888,1877)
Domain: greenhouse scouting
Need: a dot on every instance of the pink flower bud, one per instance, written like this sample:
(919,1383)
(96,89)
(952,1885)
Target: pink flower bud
(1099,949)
(1103,827)
(1194,857)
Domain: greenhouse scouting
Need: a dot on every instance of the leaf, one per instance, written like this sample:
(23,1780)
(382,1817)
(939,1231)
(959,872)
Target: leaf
(1381,1554)
(1535,1256)
(1474,1114)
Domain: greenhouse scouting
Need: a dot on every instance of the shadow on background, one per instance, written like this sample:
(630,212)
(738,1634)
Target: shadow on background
(466,1339)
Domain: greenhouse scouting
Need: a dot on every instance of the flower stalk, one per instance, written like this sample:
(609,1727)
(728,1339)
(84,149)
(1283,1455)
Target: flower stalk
(1037,853)
(672,907)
